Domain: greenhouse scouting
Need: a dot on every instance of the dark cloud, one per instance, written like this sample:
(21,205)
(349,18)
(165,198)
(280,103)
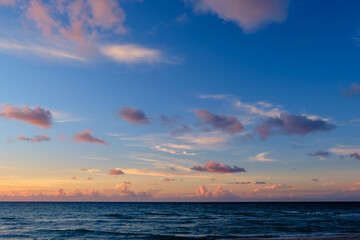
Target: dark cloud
(353,91)
(133,115)
(288,124)
(315,180)
(228,124)
(216,167)
(246,183)
(320,154)
(355,155)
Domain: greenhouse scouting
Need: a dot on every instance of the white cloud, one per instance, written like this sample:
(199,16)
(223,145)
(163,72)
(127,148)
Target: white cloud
(261,157)
(344,150)
(129,53)
(37,50)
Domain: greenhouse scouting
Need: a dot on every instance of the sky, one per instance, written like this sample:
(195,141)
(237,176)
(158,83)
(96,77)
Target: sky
(182,100)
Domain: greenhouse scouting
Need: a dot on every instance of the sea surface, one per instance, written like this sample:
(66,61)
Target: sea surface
(29,220)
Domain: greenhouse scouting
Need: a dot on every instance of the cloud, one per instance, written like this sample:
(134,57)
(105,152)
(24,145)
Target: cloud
(126,192)
(219,192)
(73,178)
(246,183)
(133,115)
(355,155)
(75,30)
(261,157)
(171,151)
(263,109)
(169,179)
(353,91)
(107,14)
(344,150)
(250,15)
(274,187)
(288,124)
(228,124)
(176,125)
(7,2)
(116,171)
(320,154)
(90,170)
(38,50)
(36,139)
(87,137)
(216,167)
(315,180)
(38,116)
(39,13)
(129,53)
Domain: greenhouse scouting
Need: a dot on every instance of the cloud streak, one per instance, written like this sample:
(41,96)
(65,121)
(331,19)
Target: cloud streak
(129,53)
(36,139)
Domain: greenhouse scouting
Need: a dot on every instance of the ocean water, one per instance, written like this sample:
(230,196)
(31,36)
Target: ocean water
(28,220)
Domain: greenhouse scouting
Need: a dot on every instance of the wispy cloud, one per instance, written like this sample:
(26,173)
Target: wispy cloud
(344,149)
(129,53)
(353,91)
(261,157)
(36,139)
(38,50)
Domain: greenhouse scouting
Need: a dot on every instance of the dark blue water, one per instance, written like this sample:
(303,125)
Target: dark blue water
(176,220)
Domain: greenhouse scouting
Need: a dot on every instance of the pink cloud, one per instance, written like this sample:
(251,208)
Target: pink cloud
(133,115)
(116,171)
(38,116)
(250,15)
(226,123)
(61,137)
(38,138)
(107,14)
(73,178)
(7,2)
(89,178)
(39,13)
(216,167)
(219,192)
(87,137)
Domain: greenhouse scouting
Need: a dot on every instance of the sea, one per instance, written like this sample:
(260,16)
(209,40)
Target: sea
(82,220)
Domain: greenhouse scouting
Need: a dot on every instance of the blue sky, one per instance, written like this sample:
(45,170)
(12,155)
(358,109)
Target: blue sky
(247,64)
